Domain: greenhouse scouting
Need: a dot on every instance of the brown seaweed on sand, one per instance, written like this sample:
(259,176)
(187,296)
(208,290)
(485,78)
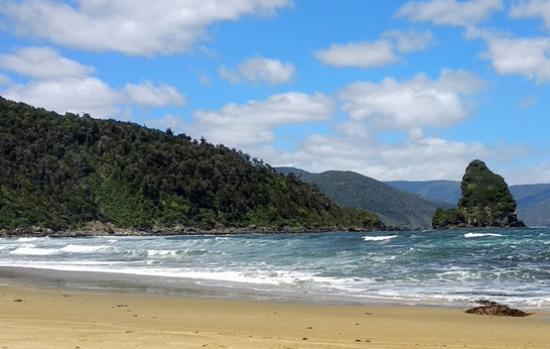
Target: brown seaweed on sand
(487,307)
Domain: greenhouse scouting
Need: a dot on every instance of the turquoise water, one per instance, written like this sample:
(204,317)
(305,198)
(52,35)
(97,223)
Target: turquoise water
(435,267)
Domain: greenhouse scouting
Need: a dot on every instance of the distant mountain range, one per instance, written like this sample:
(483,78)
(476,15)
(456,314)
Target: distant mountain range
(395,207)
(533,199)
(412,203)
(443,191)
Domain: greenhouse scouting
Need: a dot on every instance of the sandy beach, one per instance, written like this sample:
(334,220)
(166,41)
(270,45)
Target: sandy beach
(54,318)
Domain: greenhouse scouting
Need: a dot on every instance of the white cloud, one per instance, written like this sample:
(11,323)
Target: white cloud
(173,122)
(537,173)
(4,80)
(358,54)
(425,158)
(86,95)
(449,12)
(412,104)
(529,57)
(376,53)
(147,28)
(260,70)
(229,75)
(411,41)
(63,85)
(43,63)
(532,9)
(151,95)
(254,122)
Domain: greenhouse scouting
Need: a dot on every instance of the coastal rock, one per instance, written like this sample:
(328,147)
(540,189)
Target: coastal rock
(487,307)
(486,202)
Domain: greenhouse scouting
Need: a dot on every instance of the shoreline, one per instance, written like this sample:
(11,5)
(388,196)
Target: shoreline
(152,284)
(166,286)
(106,230)
(62,318)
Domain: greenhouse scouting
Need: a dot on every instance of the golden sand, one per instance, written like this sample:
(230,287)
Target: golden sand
(44,319)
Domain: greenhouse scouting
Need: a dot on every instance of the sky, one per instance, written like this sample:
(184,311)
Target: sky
(395,90)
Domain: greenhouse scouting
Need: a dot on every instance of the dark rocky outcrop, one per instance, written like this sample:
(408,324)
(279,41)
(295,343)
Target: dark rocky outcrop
(486,202)
(487,307)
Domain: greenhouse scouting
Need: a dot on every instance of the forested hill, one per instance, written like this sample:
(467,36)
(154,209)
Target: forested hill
(67,171)
(349,189)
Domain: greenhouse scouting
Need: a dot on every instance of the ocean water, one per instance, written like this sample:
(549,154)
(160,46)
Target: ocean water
(435,267)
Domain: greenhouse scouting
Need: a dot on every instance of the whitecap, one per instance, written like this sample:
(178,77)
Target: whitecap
(162,253)
(33,251)
(479,235)
(26,239)
(379,238)
(83,248)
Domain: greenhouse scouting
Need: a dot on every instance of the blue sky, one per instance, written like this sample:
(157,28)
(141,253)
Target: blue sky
(391,89)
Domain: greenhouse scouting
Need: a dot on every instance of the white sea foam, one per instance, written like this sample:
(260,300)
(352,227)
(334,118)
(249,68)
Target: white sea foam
(162,253)
(26,239)
(408,272)
(33,251)
(479,235)
(379,238)
(83,248)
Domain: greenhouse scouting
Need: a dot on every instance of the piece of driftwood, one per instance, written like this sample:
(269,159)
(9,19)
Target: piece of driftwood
(487,307)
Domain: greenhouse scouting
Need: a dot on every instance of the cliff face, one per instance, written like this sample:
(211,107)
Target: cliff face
(485,202)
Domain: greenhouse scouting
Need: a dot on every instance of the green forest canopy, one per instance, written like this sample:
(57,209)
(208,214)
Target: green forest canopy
(64,171)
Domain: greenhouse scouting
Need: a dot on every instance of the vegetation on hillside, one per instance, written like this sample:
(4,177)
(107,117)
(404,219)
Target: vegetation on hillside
(65,171)
(533,200)
(349,189)
(486,201)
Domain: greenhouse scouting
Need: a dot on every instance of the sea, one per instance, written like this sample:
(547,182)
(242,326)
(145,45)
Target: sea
(442,268)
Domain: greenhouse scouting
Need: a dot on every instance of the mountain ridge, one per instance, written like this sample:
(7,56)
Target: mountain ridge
(533,199)
(347,188)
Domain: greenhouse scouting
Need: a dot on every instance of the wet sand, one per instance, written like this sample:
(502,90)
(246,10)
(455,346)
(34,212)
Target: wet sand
(45,318)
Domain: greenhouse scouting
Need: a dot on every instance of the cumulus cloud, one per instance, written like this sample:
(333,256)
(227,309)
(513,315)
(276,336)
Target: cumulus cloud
(532,9)
(151,95)
(259,70)
(358,54)
(43,63)
(353,144)
(536,173)
(450,12)
(529,57)
(63,85)
(254,122)
(425,158)
(169,121)
(412,104)
(147,28)
(411,41)
(376,53)
(76,95)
